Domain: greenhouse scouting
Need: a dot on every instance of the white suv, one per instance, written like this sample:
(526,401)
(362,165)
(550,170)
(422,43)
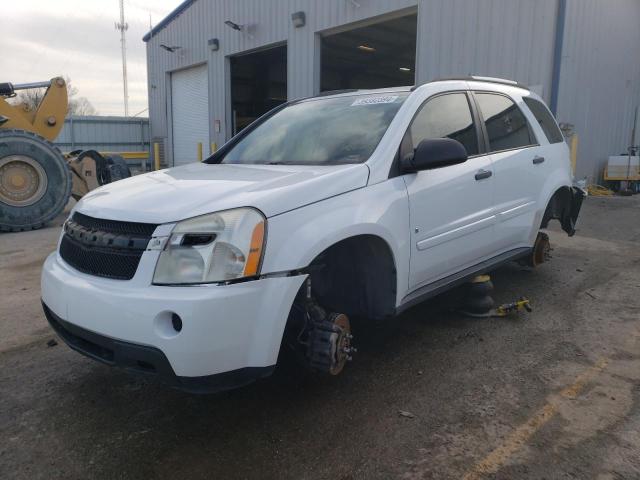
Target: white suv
(358,203)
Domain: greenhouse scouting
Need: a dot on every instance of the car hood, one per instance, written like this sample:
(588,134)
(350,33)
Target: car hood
(199,188)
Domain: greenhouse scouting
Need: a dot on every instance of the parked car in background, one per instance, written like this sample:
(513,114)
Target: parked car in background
(360,203)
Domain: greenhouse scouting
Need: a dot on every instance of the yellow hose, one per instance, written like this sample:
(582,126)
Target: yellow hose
(598,191)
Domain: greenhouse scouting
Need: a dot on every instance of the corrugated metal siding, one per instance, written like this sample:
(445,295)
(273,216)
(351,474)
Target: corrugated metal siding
(500,38)
(107,134)
(600,78)
(510,38)
(506,38)
(324,17)
(269,23)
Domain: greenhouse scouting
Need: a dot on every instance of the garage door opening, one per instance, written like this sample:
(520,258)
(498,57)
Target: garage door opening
(376,56)
(258,84)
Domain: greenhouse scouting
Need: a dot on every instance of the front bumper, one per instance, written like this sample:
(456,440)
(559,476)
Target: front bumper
(148,361)
(232,328)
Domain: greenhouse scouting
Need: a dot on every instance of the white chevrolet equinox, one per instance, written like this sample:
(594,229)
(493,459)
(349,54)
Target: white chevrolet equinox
(351,204)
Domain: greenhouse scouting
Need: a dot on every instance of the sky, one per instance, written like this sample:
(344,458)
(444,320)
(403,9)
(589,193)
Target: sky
(42,39)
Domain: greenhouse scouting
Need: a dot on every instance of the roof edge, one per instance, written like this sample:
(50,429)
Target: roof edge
(476,78)
(168,19)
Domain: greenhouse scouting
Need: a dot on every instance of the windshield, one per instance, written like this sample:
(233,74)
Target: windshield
(322,131)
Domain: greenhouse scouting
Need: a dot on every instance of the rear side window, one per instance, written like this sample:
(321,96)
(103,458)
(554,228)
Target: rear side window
(506,125)
(545,119)
(446,116)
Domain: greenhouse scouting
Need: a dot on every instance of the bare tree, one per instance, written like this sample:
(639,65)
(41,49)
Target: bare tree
(77,106)
(81,106)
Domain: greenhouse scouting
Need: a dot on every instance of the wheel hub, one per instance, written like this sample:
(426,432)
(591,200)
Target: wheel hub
(23,181)
(541,249)
(330,343)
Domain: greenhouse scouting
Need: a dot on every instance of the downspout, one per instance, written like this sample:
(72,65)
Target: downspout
(557,56)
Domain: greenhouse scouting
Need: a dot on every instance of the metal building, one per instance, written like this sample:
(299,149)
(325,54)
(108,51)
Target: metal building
(215,65)
(102,133)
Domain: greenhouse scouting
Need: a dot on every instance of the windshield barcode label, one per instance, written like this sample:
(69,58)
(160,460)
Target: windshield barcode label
(375,100)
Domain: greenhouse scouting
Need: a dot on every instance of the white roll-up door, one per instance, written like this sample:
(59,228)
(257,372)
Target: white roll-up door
(190,114)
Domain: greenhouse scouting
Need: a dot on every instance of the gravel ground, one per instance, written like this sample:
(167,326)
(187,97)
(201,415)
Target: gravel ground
(551,394)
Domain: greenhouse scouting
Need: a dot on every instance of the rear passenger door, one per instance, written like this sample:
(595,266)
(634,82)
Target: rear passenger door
(517,178)
(450,207)
(553,151)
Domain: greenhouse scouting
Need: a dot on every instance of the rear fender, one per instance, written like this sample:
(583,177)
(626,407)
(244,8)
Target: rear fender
(564,206)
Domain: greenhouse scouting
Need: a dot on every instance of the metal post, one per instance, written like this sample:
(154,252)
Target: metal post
(143,163)
(557,56)
(199,151)
(73,142)
(156,155)
(214,147)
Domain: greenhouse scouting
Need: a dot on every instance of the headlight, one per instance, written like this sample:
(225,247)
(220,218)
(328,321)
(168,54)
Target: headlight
(213,248)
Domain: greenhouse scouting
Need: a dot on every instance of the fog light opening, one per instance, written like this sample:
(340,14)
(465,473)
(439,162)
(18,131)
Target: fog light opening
(167,324)
(176,322)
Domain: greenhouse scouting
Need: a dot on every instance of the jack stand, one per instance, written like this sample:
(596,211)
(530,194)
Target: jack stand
(479,303)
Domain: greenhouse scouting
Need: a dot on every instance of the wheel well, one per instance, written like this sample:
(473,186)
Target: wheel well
(356,276)
(563,206)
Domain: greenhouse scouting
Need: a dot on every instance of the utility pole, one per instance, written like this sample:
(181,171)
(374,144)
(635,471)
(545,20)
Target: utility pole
(123,26)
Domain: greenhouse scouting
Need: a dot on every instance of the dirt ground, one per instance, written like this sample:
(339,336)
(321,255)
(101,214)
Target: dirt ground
(552,394)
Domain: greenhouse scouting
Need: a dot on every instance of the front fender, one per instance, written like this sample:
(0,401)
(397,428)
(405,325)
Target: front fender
(297,237)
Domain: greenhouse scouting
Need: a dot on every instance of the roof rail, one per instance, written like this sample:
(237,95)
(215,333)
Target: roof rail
(337,92)
(476,78)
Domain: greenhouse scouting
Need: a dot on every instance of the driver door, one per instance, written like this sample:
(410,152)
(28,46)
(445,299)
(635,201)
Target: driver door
(450,208)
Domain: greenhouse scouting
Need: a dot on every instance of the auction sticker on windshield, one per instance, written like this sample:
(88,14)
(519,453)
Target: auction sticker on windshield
(375,100)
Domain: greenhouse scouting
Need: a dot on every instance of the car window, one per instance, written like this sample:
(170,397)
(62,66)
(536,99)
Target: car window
(446,116)
(320,131)
(507,127)
(545,119)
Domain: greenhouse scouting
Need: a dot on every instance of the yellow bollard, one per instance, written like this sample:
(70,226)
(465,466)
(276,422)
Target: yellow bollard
(574,152)
(214,147)
(156,155)
(199,151)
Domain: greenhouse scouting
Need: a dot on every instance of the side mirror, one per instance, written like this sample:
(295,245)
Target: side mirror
(434,153)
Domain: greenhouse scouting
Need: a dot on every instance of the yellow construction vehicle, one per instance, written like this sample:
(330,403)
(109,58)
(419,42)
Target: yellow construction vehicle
(36,179)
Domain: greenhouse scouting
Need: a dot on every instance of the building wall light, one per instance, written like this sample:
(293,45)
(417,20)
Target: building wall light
(214,44)
(299,19)
(233,25)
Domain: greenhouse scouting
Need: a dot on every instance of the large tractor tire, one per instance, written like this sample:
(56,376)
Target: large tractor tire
(35,181)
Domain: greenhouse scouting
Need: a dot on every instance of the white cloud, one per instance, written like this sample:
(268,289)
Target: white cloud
(78,39)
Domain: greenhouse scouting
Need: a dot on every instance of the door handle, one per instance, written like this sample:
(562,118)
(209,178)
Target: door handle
(538,160)
(482,174)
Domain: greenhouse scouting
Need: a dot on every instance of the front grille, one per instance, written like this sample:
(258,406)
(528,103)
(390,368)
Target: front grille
(104,248)
(114,226)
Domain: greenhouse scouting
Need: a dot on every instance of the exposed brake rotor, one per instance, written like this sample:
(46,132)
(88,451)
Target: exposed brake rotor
(330,343)
(541,250)
(341,345)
